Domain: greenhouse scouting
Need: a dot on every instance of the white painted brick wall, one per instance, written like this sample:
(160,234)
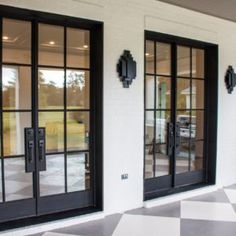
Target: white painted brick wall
(124,25)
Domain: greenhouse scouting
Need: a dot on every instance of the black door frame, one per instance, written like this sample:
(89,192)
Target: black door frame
(165,185)
(92,202)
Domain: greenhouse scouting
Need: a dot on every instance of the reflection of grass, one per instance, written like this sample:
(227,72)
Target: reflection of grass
(54,124)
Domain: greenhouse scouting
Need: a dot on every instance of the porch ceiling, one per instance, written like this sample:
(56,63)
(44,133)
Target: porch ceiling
(219,8)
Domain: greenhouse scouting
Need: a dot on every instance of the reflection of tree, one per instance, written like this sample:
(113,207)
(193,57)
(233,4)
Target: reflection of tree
(75,88)
(9,89)
(50,94)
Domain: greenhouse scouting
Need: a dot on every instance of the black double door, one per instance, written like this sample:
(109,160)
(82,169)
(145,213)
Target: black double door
(176,122)
(48,114)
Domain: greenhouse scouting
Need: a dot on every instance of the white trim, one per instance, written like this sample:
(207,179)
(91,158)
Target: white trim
(179,196)
(34,229)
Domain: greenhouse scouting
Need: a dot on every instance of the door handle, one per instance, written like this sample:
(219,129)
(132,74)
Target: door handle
(177,138)
(29,150)
(170,138)
(41,149)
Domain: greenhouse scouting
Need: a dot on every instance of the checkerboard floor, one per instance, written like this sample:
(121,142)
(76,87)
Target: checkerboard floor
(211,214)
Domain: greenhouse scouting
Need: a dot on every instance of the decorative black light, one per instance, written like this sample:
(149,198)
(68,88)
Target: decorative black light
(230,79)
(126,69)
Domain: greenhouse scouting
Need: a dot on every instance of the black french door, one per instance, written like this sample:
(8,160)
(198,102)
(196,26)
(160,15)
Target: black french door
(177,104)
(51,73)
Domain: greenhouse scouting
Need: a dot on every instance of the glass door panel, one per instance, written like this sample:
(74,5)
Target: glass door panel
(16,109)
(162,157)
(174,115)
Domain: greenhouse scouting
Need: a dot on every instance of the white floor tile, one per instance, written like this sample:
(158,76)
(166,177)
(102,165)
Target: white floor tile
(231,194)
(207,211)
(57,234)
(140,225)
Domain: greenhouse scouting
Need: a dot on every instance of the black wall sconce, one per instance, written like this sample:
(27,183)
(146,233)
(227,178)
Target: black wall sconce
(230,79)
(126,69)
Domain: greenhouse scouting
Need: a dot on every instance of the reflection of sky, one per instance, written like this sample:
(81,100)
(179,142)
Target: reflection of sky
(57,76)
(9,74)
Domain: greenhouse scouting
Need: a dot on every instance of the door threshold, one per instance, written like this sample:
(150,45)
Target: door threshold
(179,196)
(52,225)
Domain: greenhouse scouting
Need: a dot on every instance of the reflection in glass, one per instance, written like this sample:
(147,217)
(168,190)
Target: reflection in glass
(163,93)
(183,118)
(183,94)
(13,132)
(182,158)
(16,37)
(197,125)
(16,82)
(78,48)
(149,162)
(18,184)
(54,124)
(78,130)
(51,88)
(149,57)
(0,181)
(162,159)
(150,89)
(149,126)
(183,61)
(78,89)
(51,45)
(198,63)
(197,94)
(163,60)
(197,156)
(162,118)
(78,172)
(52,181)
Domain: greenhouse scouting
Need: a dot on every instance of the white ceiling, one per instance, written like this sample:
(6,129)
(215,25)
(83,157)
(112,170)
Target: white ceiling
(225,9)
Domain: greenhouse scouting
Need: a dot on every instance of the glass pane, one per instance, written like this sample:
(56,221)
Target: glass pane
(183,94)
(78,89)
(13,132)
(163,93)
(162,118)
(0,181)
(149,57)
(149,130)
(198,63)
(54,124)
(51,45)
(197,94)
(163,60)
(16,39)
(197,155)
(183,61)
(197,126)
(78,172)
(52,181)
(150,87)
(51,88)
(78,48)
(18,184)
(149,162)
(183,118)
(162,159)
(16,82)
(182,158)
(78,130)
